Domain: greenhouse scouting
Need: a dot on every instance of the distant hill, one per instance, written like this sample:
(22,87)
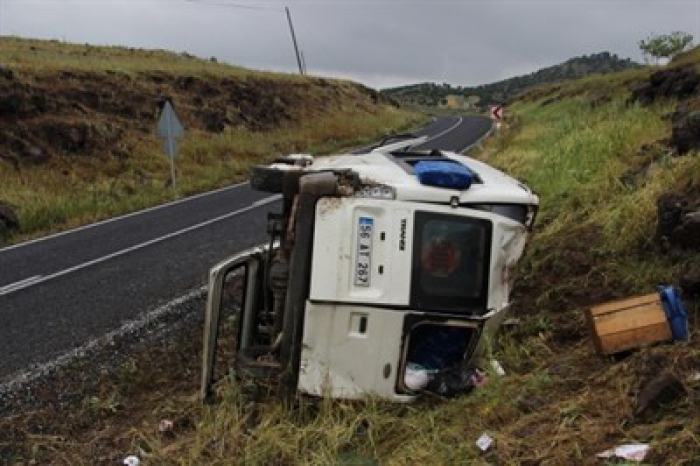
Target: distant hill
(445,95)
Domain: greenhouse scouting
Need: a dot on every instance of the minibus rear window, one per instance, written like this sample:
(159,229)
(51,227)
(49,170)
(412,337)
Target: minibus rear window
(450,263)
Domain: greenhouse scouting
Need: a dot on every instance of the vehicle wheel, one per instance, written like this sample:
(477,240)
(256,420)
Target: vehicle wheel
(266,179)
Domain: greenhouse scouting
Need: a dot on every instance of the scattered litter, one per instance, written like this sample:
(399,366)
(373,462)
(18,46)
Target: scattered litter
(479,378)
(456,381)
(416,377)
(448,382)
(497,368)
(132,460)
(631,452)
(675,312)
(484,442)
(166,425)
(695,377)
(628,324)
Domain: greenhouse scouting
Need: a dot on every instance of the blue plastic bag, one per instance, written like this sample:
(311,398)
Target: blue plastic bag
(675,312)
(452,175)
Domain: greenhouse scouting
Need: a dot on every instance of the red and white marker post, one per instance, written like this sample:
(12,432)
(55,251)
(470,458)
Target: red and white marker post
(497,116)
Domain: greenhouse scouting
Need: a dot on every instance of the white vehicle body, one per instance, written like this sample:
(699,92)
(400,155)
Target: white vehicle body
(395,265)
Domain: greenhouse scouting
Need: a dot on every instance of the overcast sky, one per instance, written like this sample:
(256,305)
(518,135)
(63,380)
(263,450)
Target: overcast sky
(378,42)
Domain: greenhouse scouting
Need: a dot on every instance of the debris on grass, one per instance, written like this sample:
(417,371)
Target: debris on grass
(631,323)
(484,442)
(630,452)
(675,312)
(497,368)
(131,460)
(627,324)
(166,426)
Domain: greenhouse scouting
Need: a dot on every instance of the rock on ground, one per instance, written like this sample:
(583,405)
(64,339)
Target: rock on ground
(678,223)
(685,133)
(679,83)
(8,220)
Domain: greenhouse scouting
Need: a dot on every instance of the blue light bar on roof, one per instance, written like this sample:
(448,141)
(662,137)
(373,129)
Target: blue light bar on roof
(451,175)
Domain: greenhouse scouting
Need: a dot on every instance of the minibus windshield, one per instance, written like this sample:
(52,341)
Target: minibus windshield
(450,262)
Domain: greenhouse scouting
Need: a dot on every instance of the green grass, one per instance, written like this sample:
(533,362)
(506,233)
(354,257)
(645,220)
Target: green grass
(326,432)
(57,196)
(576,157)
(43,55)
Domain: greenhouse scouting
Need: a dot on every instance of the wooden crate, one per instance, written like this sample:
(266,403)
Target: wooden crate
(630,323)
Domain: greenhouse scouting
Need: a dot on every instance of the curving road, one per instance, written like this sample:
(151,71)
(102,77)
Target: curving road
(64,290)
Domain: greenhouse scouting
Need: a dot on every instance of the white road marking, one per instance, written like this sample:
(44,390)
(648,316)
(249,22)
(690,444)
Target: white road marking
(19,379)
(478,141)
(114,219)
(362,150)
(22,283)
(41,279)
(459,122)
(266,200)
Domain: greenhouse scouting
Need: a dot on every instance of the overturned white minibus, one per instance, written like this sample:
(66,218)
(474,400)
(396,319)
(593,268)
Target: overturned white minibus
(383,271)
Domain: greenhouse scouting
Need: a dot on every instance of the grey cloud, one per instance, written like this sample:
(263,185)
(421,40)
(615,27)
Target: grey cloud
(380,43)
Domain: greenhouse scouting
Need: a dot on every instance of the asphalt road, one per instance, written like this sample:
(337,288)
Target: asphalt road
(59,292)
(455,134)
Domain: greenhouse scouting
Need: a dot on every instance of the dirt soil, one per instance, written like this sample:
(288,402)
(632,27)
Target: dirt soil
(91,410)
(96,114)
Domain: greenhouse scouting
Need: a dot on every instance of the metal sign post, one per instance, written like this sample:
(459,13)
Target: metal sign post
(170,130)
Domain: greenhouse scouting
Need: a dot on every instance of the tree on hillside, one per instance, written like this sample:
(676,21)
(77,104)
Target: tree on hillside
(665,45)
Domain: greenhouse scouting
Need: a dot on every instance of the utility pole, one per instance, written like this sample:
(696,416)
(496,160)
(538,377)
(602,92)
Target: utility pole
(303,61)
(294,40)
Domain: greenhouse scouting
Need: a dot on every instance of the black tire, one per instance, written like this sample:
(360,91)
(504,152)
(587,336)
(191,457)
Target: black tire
(266,179)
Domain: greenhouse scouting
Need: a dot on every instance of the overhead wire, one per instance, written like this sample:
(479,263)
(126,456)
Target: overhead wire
(235,5)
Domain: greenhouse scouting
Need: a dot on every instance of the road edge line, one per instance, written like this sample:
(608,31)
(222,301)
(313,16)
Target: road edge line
(45,278)
(122,217)
(478,141)
(21,378)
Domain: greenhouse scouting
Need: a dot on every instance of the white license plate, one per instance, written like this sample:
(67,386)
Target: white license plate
(363,259)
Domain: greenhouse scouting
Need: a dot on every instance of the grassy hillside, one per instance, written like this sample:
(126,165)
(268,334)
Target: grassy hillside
(601,152)
(77,126)
(429,94)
